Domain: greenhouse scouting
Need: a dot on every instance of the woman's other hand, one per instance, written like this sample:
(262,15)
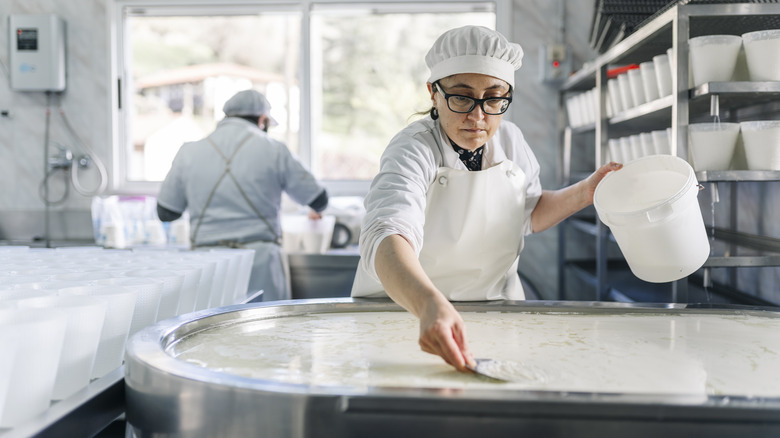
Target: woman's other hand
(595,178)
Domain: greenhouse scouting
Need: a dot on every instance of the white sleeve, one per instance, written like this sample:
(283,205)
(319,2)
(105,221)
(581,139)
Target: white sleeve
(395,203)
(172,194)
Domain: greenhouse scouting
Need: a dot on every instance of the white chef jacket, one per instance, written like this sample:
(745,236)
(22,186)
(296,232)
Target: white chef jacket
(264,168)
(396,201)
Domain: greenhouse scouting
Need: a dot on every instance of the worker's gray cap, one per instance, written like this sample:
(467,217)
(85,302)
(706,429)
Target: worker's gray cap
(248,103)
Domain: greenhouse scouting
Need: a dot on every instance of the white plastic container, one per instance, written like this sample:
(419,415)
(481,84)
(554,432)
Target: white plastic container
(646,140)
(148,293)
(86,317)
(661,142)
(625,149)
(663,75)
(714,58)
(762,144)
(37,359)
(614,150)
(9,342)
(637,87)
(120,305)
(711,145)
(301,234)
(614,96)
(241,261)
(625,92)
(572,110)
(636,146)
(171,290)
(649,80)
(651,207)
(762,50)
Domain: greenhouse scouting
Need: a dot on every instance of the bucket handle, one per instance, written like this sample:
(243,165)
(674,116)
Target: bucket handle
(659,213)
(665,210)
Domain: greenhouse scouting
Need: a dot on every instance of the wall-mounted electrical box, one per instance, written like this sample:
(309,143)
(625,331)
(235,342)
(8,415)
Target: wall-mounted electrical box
(37,52)
(555,63)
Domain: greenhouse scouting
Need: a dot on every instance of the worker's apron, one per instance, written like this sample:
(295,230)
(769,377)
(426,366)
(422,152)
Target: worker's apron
(270,269)
(473,232)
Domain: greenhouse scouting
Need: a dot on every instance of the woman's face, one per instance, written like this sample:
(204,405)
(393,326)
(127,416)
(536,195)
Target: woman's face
(473,129)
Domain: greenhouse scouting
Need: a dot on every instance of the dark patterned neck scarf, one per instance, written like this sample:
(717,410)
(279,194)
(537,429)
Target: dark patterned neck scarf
(472,159)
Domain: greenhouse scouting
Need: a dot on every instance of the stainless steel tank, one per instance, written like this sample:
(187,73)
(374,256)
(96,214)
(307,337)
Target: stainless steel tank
(167,396)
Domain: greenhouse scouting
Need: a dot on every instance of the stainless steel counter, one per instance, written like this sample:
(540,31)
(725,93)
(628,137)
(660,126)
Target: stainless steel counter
(323,275)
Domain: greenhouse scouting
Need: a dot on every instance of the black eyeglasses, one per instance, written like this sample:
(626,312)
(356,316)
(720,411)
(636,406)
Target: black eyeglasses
(458,103)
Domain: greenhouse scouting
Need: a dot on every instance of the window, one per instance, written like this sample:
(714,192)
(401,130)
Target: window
(342,78)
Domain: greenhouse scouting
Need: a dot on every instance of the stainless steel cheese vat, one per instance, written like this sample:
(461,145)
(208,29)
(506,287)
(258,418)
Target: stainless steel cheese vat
(169,397)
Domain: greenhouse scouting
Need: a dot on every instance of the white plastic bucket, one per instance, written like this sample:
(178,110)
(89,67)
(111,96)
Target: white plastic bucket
(637,86)
(649,80)
(614,96)
(762,51)
(651,208)
(663,74)
(714,58)
(661,142)
(301,234)
(762,144)
(625,92)
(614,150)
(712,145)
(42,333)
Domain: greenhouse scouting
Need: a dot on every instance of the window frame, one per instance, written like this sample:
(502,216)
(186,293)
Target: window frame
(119,49)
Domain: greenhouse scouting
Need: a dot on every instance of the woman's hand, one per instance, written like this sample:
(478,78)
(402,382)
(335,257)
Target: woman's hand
(595,178)
(313,215)
(443,333)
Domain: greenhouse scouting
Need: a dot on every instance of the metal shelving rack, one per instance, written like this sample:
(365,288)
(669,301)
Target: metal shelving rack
(670,28)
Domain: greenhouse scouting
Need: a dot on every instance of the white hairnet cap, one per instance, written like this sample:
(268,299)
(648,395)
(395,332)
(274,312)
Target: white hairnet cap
(248,103)
(474,49)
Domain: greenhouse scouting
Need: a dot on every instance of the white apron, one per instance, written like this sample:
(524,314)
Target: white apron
(473,232)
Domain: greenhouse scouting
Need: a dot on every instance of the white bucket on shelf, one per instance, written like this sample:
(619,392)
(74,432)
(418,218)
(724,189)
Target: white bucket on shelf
(625,92)
(661,142)
(637,87)
(663,74)
(649,81)
(614,96)
(714,57)
(573,111)
(712,145)
(625,149)
(636,146)
(646,140)
(651,207)
(614,150)
(762,50)
(762,144)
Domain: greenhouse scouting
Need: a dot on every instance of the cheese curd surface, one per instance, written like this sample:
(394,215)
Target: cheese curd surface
(693,354)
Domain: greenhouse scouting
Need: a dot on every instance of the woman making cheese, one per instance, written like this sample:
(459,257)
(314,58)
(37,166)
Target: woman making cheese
(456,193)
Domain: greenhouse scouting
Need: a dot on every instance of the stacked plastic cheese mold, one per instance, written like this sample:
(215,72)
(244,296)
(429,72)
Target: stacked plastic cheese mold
(66,313)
